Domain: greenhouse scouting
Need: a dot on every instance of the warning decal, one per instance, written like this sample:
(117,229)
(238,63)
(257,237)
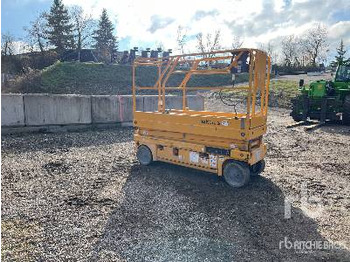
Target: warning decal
(194,157)
(213,160)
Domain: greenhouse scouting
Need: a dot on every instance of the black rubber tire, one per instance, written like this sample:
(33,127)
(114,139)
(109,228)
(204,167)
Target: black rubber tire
(144,155)
(257,168)
(346,110)
(236,174)
(295,115)
(297,118)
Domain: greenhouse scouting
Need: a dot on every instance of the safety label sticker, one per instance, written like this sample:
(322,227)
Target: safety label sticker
(213,160)
(194,157)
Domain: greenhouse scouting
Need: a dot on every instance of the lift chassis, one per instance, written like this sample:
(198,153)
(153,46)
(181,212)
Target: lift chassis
(229,144)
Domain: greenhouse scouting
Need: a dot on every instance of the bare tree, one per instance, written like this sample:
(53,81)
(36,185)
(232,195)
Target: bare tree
(314,43)
(7,44)
(181,39)
(270,50)
(210,44)
(82,27)
(36,33)
(291,50)
(237,42)
(273,53)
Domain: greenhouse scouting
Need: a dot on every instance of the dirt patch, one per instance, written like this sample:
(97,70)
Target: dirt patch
(82,196)
(307,78)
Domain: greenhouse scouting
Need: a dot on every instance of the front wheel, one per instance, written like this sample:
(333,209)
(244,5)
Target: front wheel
(346,110)
(144,155)
(236,174)
(257,168)
(295,114)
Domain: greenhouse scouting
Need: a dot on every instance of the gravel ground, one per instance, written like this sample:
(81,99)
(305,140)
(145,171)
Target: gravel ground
(83,197)
(307,78)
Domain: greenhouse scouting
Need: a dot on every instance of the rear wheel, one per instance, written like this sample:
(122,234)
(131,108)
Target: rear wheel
(144,155)
(346,110)
(257,168)
(236,174)
(297,117)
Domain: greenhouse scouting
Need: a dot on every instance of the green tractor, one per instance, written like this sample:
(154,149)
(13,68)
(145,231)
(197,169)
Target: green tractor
(324,100)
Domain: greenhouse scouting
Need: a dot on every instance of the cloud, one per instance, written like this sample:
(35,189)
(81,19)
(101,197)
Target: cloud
(289,18)
(201,14)
(340,30)
(158,22)
(256,21)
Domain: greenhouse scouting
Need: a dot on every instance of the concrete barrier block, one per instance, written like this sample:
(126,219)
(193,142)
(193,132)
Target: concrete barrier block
(127,107)
(195,103)
(109,109)
(12,110)
(45,109)
(173,102)
(150,103)
(105,109)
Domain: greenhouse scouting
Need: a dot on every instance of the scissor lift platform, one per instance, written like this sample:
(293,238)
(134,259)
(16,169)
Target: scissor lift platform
(225,143)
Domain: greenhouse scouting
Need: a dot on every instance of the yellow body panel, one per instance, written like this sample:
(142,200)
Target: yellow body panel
(163,150)
(206,125)
(201,139)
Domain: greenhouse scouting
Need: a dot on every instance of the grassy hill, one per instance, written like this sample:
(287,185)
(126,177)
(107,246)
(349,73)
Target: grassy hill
(96,78)
(101,79)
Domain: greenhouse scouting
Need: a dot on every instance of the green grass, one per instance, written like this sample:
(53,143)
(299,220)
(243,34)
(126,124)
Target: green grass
(86,78)
(98,78)
(280,95)
(282,91)
(286,87)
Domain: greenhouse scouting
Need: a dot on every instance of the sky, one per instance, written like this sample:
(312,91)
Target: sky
(154,22)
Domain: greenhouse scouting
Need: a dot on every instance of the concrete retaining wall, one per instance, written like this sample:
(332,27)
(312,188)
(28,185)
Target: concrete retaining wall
(109,109)
(196,103)
(33,111)
(43,109)
(12,110)
(150,103)
(173,102)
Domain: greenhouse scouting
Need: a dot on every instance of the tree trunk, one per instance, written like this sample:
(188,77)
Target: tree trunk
(41,47)
(79,46)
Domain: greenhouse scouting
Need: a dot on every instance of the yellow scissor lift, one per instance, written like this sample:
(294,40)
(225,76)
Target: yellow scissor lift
(225,143)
